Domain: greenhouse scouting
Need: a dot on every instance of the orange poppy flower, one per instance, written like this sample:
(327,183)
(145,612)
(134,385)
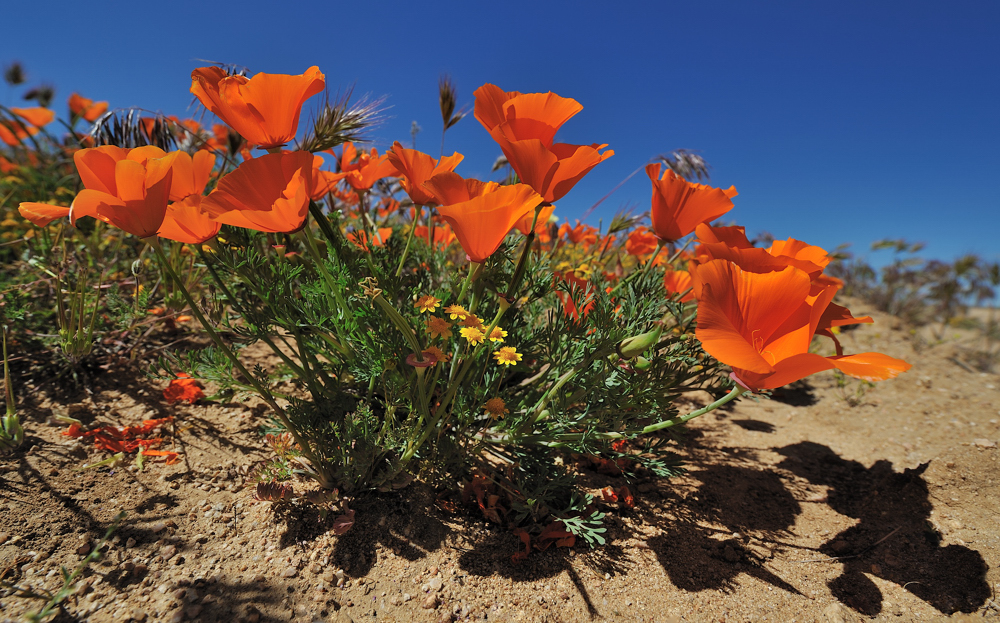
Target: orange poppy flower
(185,221)
(139,201)
(680,206)
(677,281)
(96,165)
(524,125)
(269,194)
(415,168)
(264,109)
(27,123)
(580,289)
(761,325)
(480,213)
(362,170)
(579,233)
(361,239)
(641,242)
(541,225)
(86,109)
(443,235)
(41,214)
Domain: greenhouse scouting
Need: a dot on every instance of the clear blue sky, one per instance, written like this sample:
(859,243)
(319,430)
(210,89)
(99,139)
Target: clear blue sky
(837,122)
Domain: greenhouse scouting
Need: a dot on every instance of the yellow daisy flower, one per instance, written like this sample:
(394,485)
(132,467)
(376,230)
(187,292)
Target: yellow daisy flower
(427,303)
(475,335)
(456,311)
(497,335)
(507,356)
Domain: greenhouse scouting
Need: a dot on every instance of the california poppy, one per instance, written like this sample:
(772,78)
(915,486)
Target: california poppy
(680,206)
(361,239)
(443,235)
(677,282)
(269,194)
(415,168)
(524,125)
(579,233)
(139,201)
(264,109)
(761,325)
(26,123)
(41,214)
(480,213)
(86,109)
(541,223)
(362,169)
(641,242)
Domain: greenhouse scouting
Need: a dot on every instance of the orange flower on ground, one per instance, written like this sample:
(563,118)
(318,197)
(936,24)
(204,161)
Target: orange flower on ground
(125,188)
(264,109)
(677,281)
(680,206)
(761,325)
(41,214)
(26,122)
(480,213)
(415,168)
(524,125)
(184,388)
(362,170)
(86,109)
(269,194)
(641,242)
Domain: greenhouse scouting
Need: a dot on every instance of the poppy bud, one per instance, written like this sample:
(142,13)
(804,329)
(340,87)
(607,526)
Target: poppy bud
(634,346)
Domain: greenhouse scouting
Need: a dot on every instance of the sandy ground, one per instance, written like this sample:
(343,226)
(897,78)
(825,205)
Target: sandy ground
(797,508)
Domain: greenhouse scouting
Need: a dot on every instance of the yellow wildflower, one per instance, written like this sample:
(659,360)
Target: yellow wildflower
(427,303)
(456,311)
(507,356)
(496,408)
(438,327)
(497,335)
(475,335)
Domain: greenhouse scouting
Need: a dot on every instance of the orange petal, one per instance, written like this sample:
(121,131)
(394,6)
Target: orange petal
(871,366)
(185,222)
(41,214)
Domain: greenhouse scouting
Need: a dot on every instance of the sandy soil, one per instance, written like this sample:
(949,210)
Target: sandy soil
(797,508)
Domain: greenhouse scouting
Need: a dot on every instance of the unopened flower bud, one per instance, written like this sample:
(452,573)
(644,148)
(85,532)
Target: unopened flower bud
(634,346)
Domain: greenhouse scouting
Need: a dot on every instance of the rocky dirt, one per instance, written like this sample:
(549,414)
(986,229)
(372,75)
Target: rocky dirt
(797,508)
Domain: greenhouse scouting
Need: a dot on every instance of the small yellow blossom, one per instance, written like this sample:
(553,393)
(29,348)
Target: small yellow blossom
(475,335)
(427,303)
(456,311)
(438,327)
(472,321)
(496,408)
(497,335)
(437,353)
(507,356)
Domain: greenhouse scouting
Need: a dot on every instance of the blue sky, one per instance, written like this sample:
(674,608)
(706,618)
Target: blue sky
(837,122)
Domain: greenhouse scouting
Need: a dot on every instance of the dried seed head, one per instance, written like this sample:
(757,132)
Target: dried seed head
(340,122)
(129,129)
(42,94)
(686,164)
(13,74)
(448,100)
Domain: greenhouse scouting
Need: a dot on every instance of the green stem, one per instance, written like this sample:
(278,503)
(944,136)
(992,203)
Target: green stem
(409,240)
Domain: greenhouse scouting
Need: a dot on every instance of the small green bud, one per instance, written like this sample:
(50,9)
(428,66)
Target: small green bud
(634,346)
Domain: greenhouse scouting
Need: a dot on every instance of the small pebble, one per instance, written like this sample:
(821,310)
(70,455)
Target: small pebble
(289,572)
(429,603)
